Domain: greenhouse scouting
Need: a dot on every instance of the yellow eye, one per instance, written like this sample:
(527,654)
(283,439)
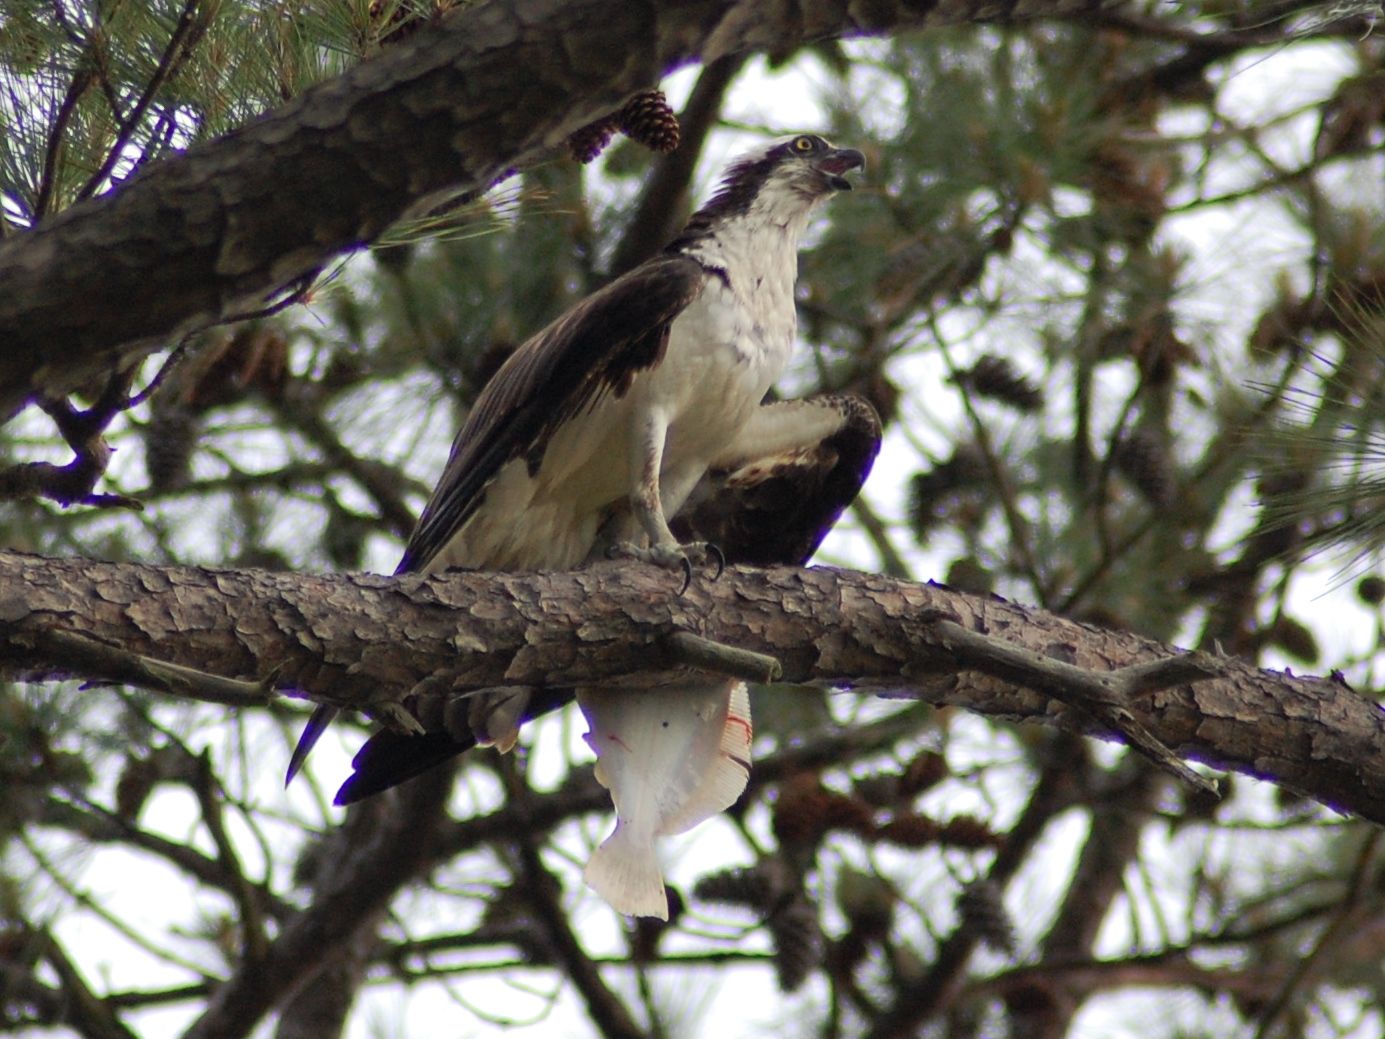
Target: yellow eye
(803,144)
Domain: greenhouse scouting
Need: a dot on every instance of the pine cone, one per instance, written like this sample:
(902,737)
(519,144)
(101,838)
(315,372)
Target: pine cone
(966,831)
(590,141)
(868,902)
(798,944)
(926,770)
(934,494)
(806,811)
(254,357)
(648,120)
(137,781)
(1145,462)
(743,887)
(170,438)
(909,831)
(995,377)
(344,537)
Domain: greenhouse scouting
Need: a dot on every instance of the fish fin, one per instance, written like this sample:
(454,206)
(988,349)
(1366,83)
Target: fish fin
(625,872)
(722,784)
(738,731)
(719,788)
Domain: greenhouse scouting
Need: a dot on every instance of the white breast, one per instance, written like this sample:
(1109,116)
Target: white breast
(725,351)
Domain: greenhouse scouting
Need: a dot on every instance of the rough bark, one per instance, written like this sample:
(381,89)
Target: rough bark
(361,640)
(226,225)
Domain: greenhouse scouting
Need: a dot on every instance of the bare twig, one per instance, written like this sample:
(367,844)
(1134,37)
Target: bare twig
(1363,874)
(891,562)
(1019,527)
(387,844)
(91,657)
(173,56)
(254,939)
(171,364)
(381,482)
(1104,696)
(81,82)
(683,647)
(90,1015)
(915,1003)
(100,826)
(608,1013)
(84,432)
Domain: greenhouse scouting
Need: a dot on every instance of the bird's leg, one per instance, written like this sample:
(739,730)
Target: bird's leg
(646,503)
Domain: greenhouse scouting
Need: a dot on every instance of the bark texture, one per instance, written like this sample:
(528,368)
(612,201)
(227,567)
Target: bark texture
(366,641)
(223,227)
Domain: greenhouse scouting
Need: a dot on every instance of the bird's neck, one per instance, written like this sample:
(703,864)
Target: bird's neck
(757,250)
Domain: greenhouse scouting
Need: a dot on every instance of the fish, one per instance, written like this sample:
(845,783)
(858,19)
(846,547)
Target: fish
(671,757)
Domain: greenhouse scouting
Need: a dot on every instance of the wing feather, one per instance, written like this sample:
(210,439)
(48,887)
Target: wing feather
(775,509)
(594,349)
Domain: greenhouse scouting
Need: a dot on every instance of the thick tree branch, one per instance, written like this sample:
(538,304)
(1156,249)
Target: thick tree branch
(361,640)
(490,87)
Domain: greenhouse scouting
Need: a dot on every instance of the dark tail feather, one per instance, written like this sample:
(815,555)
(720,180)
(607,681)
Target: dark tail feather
(389,758)
(312,732)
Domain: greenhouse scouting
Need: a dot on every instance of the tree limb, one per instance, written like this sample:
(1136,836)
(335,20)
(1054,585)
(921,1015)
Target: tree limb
(487,88)
(365,641)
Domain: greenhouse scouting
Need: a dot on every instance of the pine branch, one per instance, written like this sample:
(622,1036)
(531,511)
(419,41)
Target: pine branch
(337,639)
(447,111)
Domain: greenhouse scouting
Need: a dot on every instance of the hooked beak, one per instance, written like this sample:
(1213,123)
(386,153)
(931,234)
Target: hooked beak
(835,163)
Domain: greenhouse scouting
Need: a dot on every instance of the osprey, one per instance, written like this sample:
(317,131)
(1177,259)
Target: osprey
(591,436)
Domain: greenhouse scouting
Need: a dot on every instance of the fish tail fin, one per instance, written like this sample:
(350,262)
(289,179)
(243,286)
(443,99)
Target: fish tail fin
(625,872)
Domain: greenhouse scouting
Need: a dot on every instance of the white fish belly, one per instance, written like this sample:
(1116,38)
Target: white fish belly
(671,757)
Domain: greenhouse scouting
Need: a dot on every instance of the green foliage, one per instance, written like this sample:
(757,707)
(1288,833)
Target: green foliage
(92,91)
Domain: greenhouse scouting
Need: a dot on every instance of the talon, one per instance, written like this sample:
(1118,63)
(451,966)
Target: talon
(716,552)
(671,556)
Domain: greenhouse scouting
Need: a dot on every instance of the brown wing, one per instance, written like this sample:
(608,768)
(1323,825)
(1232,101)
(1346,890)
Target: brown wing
(775,511)
(594,349)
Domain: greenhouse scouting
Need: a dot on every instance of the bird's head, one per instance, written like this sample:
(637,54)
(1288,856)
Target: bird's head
(791,175)
(805,163)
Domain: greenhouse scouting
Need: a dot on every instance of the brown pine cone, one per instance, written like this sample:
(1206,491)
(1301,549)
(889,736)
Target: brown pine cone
(590,141)
(648,119)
